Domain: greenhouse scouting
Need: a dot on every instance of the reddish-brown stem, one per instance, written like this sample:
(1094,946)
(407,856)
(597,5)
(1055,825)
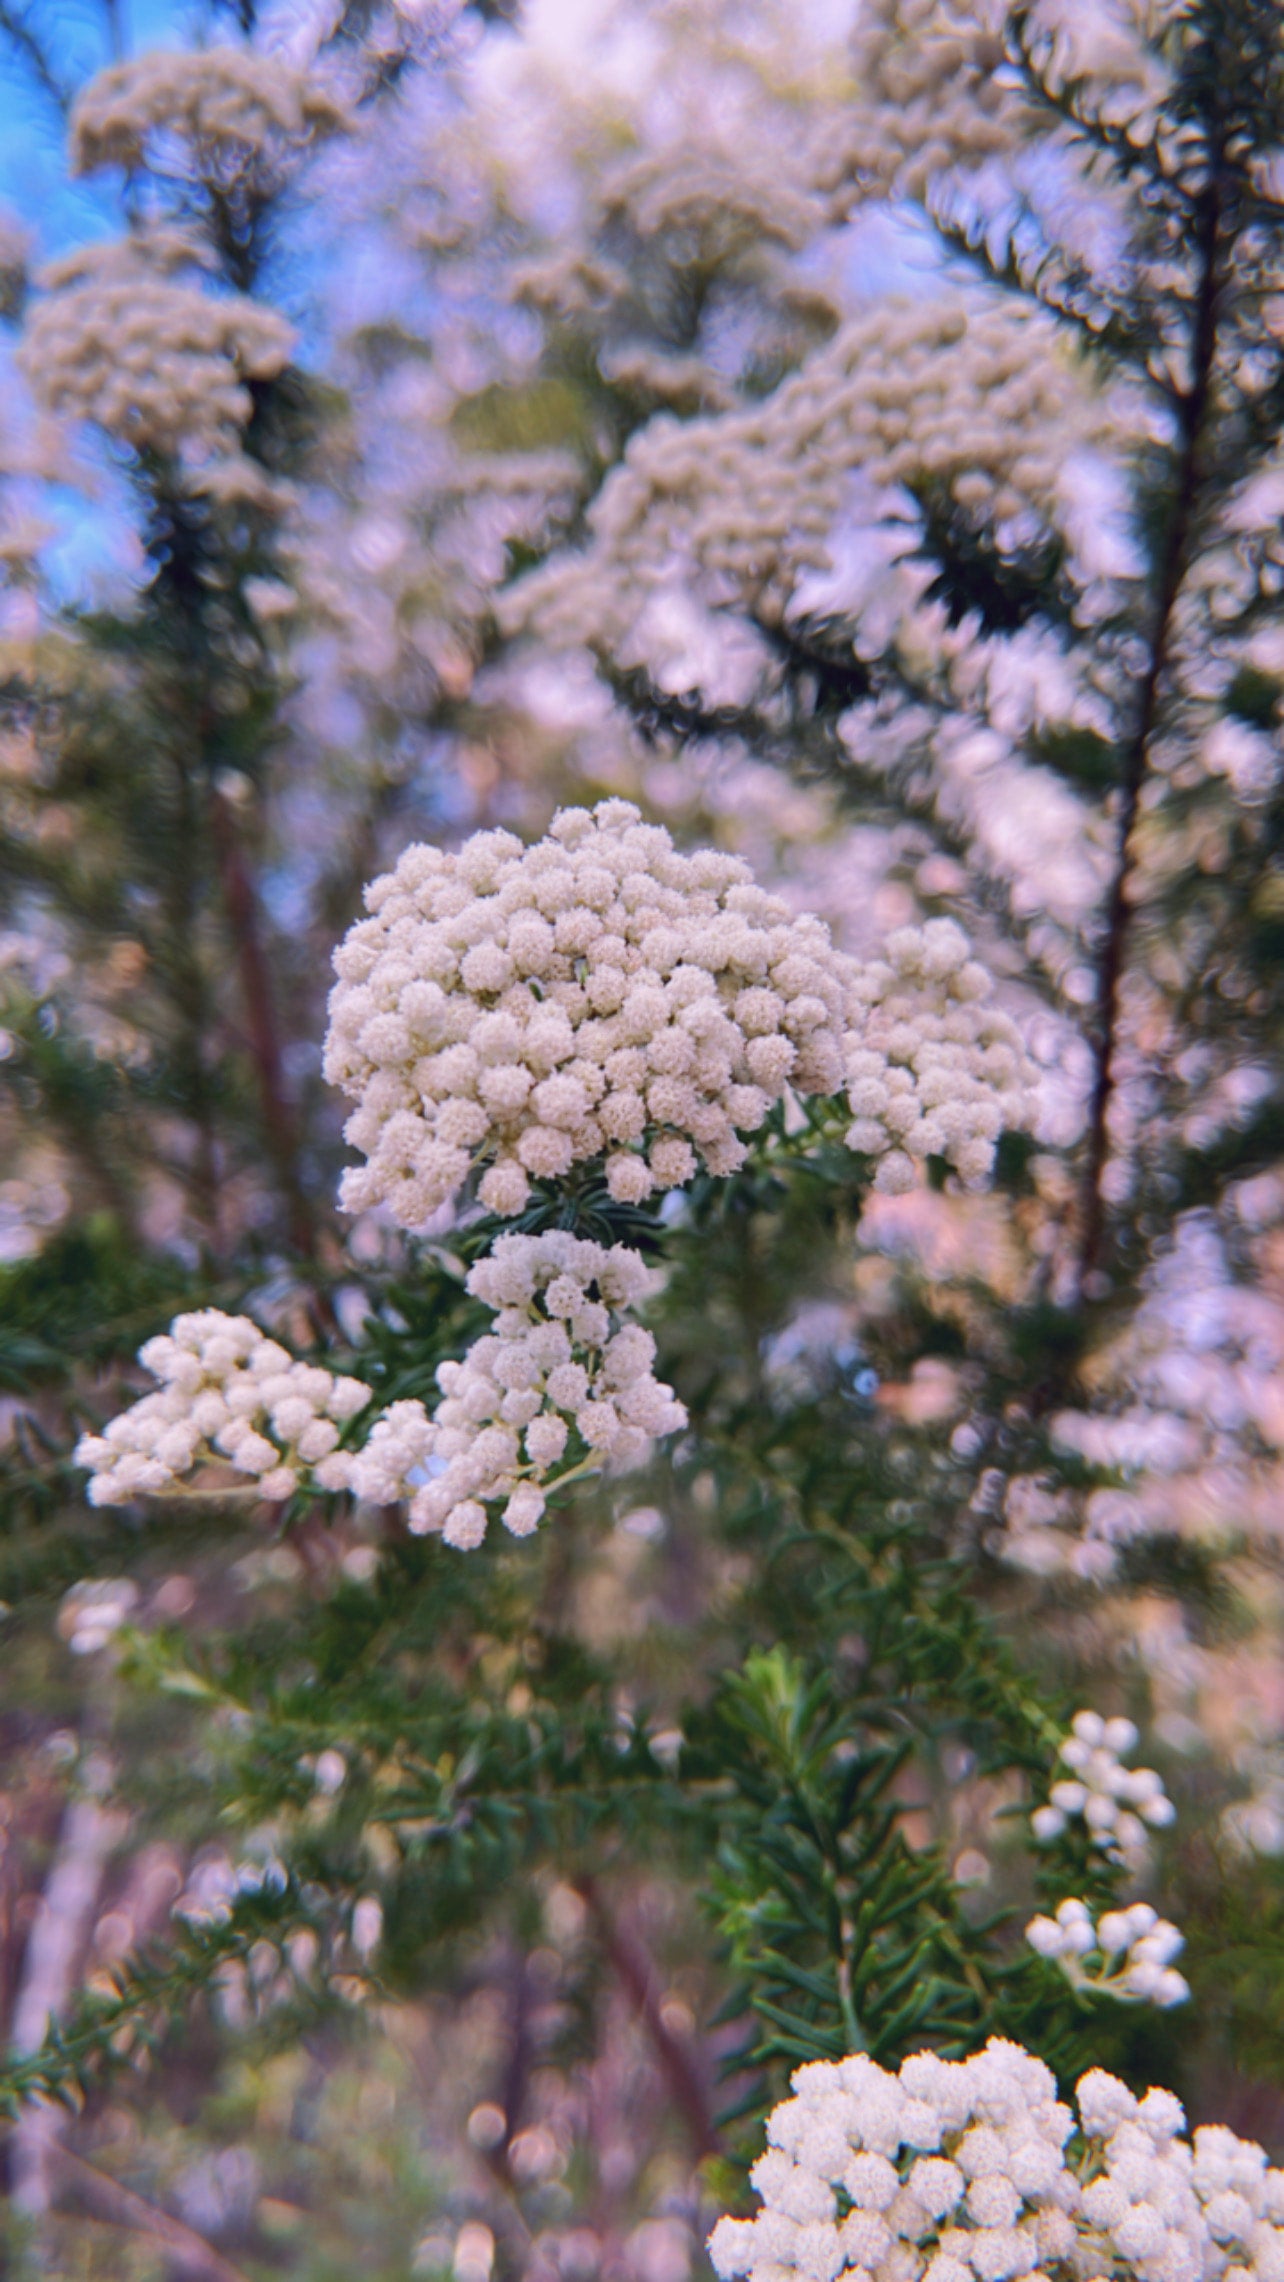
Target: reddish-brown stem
(240,904)
(1193,412)
(189,2251)
(678,2062)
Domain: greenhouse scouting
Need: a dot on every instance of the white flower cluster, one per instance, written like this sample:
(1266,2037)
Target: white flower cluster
(807,502)
(559,1360)
(234,102)
(1115,1802)
(602,996)
(92,1612)
(595,995)
(933,1070)
(954,2170)
(229,1398)
(1198,1373)
(722,199)
(938,99)
(1129,1954)
(931,95)
(118,339)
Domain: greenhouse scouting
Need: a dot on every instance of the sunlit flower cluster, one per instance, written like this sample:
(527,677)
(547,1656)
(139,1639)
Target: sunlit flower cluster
(930,95)
(230,1402)
(811,502)
(562,1375)
(163,365)
(938,96)
(1115,1803)
(595,996)
(233,102)
(934,1069)
(956,2169)
(1127,1954)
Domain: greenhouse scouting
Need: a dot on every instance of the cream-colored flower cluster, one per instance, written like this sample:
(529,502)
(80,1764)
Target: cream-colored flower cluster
(560,1360)
(722,200)
(808,501)
(958,2171)
(940,95)
(230,1399)
(233,102)
(600,996)
(1128,1955)
(1116,1803)
(933,1068)
(597,995)
(158,363)
(932,95)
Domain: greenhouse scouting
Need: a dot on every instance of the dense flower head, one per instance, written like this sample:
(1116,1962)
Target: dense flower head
(934,1068)
(1128,1954)
(561,1361)
(939,102)
(969,2171)
(597,995)
(233,101)
(601,996)
(229,1398)
(804,503)
(1115,1802)
(157,362)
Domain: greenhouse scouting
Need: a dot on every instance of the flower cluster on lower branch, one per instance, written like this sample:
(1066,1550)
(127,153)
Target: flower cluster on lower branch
(1127,1954)
(564,1376)
(974,2171)
(230,1399)
(1116,1803)
(560,1362)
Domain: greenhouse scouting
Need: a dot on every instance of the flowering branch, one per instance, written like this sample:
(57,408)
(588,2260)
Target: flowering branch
(1192,411)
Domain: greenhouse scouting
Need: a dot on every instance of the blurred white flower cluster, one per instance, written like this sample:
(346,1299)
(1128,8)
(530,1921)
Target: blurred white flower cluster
(1127,1954)
(809,502)
(1198,1375)
(939,97)
(230,1399)
(118,338)
(93,1611)
(933,1069)
(955,2170)
(233,102)
(601,995)
(558,1359)
(1115,1803)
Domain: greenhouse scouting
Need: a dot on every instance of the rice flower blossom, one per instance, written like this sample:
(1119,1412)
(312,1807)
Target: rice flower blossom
(933,1067)
(232,102)
(778,510)
(1128,1954)
(1116,1803)
(600,996)
(940,100)
(954,2170)
(559,1362)
(157,362)
(229,1398)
